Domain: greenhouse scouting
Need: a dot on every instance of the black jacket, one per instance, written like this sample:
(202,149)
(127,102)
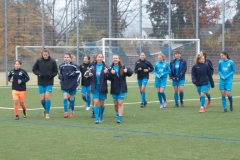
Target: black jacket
(46,70)
(83,68)
(69,75)
(182,69)
(201,74)
(143,65)
(209,62)
(118,83)
(19,74)
(93,80)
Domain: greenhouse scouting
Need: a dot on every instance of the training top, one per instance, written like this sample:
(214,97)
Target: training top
(161,69)
(143,65)
(178,69)
(19,74)
(83,69)
(201,74)
(226,69)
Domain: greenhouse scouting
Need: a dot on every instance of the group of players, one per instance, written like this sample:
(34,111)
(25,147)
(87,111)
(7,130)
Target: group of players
(94,76)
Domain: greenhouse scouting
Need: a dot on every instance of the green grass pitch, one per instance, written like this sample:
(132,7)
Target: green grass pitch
(145,133)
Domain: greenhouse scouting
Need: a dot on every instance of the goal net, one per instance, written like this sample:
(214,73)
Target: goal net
(130,49)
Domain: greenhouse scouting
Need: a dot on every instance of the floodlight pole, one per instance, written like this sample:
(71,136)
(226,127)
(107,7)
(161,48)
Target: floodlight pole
(43,24)
(169,30)
(140,26)
(77,32)
(6,39)
(223,25)
(197,26)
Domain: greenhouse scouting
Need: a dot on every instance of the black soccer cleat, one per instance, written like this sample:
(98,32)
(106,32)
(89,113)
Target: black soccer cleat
(176,105)
(93,116)
(182,104)
(16,118)
(225,110)
(142,105)
(145,103)
(24,113)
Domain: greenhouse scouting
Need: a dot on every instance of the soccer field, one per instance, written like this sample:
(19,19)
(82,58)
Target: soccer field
(145,133)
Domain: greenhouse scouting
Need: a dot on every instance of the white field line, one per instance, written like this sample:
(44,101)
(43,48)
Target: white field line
(29,109)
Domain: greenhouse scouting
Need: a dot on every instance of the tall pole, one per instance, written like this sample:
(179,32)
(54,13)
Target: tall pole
(6,39)
(169,29)
(109,29)
(197,26)
(140,26)
(66,25)
(43,25)
(77,31)
(223,25)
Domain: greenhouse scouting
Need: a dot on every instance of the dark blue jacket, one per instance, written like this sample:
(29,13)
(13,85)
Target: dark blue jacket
(93,79)
(118,83)
(209,62)
(143,65)
(46,70)
(19,74)
(69,76)
(181,72)
(201,74)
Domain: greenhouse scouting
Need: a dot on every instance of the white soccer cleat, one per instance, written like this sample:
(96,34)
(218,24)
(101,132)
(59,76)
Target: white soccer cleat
(87,108)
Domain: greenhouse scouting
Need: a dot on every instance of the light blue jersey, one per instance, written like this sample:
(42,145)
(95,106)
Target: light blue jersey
(161,69)
(98,72)
(176,66)
(226,69)
(116,68)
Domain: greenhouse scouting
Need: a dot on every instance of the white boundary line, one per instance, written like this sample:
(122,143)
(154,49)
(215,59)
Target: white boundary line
(112,104)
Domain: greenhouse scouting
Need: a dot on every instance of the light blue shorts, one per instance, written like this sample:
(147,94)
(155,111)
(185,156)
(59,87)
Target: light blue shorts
(120,96)
(225,86)
(71,92)
(43,89)
(208,85)
(86,89)
(201,89)
(143,82)
(97,95)
(178,83)
(160,82)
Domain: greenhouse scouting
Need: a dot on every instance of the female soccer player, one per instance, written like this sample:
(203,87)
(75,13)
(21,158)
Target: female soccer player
(201,75)
(142,68)
(161,71)
(226,69)
(18,77)
(117,75)
(98,76)
(46,69)
(209,63)
(86,88)
(69,76)
(178,70)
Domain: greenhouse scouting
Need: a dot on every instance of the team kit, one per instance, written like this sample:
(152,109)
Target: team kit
(94,74)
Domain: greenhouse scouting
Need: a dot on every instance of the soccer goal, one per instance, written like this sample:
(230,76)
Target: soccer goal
(129,49)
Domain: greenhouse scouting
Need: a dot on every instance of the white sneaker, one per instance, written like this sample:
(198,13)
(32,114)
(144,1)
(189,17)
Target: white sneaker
(161,106)
(87,108)
(165,104)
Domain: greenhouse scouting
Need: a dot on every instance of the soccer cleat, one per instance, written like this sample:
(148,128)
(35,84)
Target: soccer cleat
(119,121)
(202,109)
(182,104)
(208,103)
(176,105)
(87,108)
(142,105)
(44,113)
(96,122)
(65,115)
(47,116)
(72,114)
(16,118)
(100,120)
(231,107)
(24,113)
(165,104)
(225,110)
(145,103)
(93,116)
(161,106)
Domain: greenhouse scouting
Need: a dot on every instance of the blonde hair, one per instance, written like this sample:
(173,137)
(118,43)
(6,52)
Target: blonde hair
(162,55)
(197,58)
